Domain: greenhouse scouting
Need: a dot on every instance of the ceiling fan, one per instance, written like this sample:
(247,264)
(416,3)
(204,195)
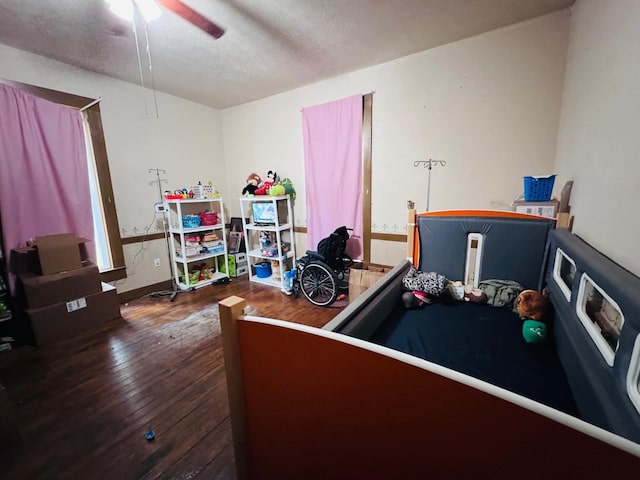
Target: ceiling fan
(149,10)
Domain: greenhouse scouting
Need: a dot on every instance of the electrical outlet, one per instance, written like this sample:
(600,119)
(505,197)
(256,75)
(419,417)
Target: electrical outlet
(156,262)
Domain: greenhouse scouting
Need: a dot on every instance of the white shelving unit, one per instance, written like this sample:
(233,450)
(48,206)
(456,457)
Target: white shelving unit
(185,258)
(275,220)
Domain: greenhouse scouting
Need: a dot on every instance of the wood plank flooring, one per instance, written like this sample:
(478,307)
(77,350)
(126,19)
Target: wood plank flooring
(84,404)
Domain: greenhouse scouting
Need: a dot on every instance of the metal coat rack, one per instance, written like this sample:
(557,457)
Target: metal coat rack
(429,165)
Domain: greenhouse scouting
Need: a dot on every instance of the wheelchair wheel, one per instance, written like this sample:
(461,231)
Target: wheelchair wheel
(318,284)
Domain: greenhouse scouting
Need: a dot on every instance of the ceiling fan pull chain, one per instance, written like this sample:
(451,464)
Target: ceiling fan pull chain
(135,35)
(153,85)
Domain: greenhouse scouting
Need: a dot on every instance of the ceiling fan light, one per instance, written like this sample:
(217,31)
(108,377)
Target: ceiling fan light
(122,8)
(149,9)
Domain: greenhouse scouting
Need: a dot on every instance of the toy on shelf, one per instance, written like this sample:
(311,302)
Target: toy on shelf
(253,183)
(288,187)
(267,184)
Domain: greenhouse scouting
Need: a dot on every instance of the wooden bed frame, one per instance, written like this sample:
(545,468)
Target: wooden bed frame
(313,403)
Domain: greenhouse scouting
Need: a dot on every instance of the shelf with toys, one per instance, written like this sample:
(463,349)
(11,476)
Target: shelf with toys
(197,231)
(268,230)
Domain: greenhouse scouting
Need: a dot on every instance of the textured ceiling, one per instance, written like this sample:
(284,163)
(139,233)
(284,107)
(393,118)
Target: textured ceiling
(270,46)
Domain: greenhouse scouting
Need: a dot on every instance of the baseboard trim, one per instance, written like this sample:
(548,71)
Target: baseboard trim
(129,295)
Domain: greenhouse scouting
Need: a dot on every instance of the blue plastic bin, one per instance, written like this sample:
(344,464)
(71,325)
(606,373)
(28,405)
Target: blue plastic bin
(538,189)
(263,270)
(191,221)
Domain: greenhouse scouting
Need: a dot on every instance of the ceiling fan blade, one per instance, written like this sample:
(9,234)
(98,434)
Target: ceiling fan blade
(193,17)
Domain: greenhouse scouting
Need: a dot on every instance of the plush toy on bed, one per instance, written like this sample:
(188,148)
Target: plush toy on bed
(253,183)
(267,184)
(466,293)
(432,285)
(534,308)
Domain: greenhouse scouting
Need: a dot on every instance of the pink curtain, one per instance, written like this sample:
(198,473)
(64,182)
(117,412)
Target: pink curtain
(44,180)
(333,170)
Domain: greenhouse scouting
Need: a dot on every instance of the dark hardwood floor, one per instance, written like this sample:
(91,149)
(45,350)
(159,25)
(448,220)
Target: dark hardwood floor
(84,404)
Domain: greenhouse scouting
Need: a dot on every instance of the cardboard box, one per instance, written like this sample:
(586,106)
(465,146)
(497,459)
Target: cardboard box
(363,275)
(44,290)
(66,319)
(544,209)
(50,254)
(8,425)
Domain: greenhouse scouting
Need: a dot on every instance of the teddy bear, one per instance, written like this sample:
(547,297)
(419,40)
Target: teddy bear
(253,183)
(267,184)
(534,308)
(533,305)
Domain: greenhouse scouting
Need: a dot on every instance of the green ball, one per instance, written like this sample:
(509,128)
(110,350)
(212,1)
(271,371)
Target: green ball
(534,331)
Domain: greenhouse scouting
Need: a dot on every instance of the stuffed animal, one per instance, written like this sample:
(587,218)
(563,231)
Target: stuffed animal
(468,293)
(288,187)
(474,294)
(534,308)
(277,190)
(267,184)
(253,183)
(532,305)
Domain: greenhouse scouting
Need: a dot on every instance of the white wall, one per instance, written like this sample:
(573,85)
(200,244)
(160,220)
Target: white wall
(185,140)
(598,140)
(488,105)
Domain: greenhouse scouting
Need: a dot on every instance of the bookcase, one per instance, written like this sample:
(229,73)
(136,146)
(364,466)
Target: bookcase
(267,222)
(197,231)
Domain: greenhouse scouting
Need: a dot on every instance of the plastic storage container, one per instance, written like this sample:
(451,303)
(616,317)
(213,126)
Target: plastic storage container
(263,270)
(190,221)
(208,218)
(538,189)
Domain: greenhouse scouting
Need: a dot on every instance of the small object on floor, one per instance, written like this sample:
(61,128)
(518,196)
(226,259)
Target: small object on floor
(150,436)
(221,281)
(342,296)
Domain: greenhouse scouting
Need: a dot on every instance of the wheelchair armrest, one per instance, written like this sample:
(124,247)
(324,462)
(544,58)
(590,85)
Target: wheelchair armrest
(313,255)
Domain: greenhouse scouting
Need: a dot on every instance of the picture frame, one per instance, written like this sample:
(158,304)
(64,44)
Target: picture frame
(235,238)
(236,228)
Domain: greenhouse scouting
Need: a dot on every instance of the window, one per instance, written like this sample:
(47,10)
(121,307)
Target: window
(633,375)
(103,254)
(564,273)
(112,266)
(601,316)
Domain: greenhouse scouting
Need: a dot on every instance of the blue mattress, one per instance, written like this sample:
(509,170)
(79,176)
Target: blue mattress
(484,342)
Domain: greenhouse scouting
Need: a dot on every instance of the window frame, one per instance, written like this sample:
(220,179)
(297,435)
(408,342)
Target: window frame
(566,290)
(602,345)
(633,375)
(94,119)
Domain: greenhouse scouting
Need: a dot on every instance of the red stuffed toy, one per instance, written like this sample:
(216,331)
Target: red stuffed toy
(267,184)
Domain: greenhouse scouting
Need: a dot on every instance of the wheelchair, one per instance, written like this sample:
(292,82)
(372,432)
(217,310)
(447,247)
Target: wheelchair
(321,274)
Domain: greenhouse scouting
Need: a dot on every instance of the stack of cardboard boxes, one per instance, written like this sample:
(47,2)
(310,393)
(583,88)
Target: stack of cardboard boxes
(62,290)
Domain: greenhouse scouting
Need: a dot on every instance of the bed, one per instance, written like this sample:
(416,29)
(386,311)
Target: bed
(382,391)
